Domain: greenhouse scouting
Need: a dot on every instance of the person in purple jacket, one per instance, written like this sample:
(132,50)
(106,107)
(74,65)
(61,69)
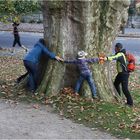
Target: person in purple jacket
(85,72)
(31,61)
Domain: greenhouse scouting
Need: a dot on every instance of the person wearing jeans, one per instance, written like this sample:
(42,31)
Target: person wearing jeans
(85,73)
(31,62)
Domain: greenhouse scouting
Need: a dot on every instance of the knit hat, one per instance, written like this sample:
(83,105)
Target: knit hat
(82,54)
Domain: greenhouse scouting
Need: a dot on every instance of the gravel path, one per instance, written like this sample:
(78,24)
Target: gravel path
(28,121)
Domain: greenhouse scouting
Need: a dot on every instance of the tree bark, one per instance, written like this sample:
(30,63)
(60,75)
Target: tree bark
(71,26)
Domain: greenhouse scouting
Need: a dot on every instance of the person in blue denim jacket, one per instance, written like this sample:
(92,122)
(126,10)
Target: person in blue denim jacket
(85,72)
(31,61)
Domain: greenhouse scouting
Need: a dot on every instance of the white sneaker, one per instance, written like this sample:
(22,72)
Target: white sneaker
(12,50)
(26,50)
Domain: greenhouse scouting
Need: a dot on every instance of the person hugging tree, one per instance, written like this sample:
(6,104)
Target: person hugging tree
(85,72)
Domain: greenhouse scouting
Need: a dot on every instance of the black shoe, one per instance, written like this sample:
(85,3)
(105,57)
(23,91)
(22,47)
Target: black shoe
(32,91)
(26,50)
(128,105)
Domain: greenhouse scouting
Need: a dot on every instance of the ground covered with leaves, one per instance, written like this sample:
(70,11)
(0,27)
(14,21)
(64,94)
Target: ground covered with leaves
(116,118)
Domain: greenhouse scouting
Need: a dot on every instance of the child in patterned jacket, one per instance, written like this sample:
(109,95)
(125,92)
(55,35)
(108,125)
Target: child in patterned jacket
(85,72)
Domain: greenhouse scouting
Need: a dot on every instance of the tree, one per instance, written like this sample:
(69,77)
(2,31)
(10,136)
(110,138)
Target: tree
(74,25)
(14,9)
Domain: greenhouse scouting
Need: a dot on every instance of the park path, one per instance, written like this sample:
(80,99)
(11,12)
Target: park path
(31,121)
(23,27)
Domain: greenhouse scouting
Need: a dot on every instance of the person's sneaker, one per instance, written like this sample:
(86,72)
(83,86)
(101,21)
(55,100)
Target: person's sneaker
(32,91)
(95,97)
(35,93)
(12,51)
(26,50)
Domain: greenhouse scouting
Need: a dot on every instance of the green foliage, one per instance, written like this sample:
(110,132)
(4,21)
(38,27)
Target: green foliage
(55,4)
(14,9)
(25,6)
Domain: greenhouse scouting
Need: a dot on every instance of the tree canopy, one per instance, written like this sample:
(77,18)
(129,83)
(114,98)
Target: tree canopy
(14,9)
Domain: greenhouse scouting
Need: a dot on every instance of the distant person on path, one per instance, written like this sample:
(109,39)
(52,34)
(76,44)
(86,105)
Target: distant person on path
(123,74)
(17,37)
(31,62)
(85,73)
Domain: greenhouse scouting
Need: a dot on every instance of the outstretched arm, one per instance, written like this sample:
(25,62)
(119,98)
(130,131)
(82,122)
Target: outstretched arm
(115,57)
(49,53)
(92,60)
(52,55)
(71,61)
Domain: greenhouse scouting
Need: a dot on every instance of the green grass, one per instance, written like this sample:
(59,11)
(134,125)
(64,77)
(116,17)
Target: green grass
(114,118)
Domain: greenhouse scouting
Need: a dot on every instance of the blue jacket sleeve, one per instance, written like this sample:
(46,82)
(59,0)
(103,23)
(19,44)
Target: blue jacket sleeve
(49,53)
(92,60)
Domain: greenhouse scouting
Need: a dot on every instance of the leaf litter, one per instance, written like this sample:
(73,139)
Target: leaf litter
(70,105)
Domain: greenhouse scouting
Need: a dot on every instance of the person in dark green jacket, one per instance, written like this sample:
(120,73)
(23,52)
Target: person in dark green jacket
(123,74)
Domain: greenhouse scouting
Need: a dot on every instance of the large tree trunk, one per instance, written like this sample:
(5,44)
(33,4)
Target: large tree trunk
(77,25)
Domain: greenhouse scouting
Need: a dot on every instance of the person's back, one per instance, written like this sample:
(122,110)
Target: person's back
(15,31)
(35,54)
(31,62)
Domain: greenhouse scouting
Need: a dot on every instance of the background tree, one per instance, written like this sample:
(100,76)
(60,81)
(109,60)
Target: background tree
(81,25)
(13,9)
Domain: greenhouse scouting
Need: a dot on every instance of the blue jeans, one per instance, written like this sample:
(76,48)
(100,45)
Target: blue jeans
(90,81)
(32,70)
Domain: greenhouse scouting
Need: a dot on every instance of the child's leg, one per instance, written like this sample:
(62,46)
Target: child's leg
(79,83)
(92,85)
